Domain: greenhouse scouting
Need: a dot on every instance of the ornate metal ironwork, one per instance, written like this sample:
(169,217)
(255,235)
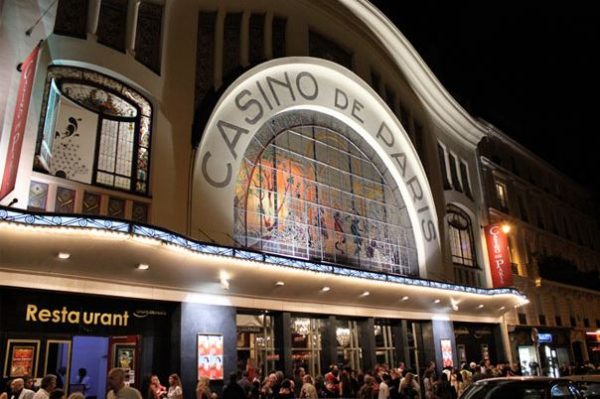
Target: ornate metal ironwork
(9,215)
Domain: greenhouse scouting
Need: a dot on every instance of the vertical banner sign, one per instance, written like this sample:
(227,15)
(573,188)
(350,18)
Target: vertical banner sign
(497,244)
(18,126)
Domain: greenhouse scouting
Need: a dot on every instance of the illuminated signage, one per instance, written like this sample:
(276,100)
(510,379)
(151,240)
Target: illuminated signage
(545,338)
(497,243)
(17,131)
(34,314)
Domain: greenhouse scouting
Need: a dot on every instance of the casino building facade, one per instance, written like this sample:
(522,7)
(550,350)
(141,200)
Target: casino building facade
(205,186)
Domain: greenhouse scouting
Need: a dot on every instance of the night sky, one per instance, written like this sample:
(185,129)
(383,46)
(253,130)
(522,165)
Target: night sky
(530,68)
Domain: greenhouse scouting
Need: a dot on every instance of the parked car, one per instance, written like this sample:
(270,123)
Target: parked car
(521,388)
(587,384)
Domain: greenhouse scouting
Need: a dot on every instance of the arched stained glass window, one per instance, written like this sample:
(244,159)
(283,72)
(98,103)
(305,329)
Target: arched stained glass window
(311,187)
(94,130)
(460,233)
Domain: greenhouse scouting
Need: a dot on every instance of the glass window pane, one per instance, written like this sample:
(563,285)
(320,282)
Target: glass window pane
(324,199)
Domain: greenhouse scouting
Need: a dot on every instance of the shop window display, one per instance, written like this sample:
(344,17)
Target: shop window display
(384,343)
(349,352)
(256,351)
(306,344)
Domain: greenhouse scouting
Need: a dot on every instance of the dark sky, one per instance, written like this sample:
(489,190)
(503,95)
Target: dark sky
(530,68)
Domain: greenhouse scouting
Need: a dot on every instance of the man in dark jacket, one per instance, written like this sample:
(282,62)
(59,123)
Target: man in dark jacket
(233,390)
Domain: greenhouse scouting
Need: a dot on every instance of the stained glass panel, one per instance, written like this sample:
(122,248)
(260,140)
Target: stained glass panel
(314,193)
(98,100)
(123,120)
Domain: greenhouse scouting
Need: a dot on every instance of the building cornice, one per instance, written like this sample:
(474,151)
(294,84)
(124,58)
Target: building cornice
(447,113)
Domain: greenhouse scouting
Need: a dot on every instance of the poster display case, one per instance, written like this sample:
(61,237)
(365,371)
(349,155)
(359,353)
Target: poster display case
(22,357)
(210,356)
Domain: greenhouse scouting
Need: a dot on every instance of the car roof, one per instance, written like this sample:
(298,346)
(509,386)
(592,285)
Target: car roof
(517,379)
(584,378)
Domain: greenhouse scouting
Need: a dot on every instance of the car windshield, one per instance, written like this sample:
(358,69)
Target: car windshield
(517,390)
(590,390)
(530,390)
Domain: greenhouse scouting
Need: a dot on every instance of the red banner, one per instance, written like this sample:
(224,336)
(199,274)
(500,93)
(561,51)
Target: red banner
(499,255)
(17,131)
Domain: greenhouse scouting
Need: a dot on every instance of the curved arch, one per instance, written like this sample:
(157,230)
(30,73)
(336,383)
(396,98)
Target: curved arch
(297,84)
(312,188)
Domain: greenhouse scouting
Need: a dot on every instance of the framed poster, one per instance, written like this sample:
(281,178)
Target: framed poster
(485,352)
(124,356)
(210,356)
(462,353)
(22,357)
(447,360)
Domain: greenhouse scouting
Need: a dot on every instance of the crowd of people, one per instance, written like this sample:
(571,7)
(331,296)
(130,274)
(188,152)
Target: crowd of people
(383,382)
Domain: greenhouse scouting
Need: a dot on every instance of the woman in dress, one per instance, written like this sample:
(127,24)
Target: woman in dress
(155,389)
(174,391)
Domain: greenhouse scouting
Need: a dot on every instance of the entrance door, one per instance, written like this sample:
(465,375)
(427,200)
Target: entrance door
(578,352)
(125,353)
(88,366)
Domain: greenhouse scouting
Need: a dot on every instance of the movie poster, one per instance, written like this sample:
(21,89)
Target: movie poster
(22,359)
(124,357)
(210,356)
(447,360)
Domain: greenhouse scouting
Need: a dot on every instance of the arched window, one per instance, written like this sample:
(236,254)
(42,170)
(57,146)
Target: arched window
(94,130)
(460,233)
(317,190)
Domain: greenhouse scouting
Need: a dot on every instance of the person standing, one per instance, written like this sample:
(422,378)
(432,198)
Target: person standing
(233,390)
(30,383)
(175,391)
(384,387)
(118,390)
(409,388)
(308,391)
(203,388)
(48,385)
(85,380)
(155,389)
(19,391)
